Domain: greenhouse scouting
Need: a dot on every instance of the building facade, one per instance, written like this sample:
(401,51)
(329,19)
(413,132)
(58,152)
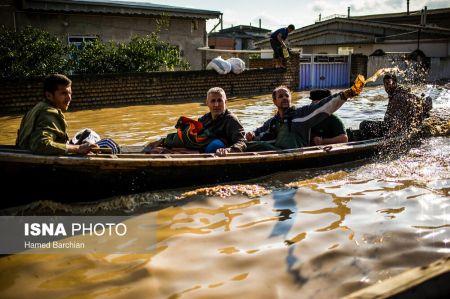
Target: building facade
(75,21)
(368,36)
(240,37)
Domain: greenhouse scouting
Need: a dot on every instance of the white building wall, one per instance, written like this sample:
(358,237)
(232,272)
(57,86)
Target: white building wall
(435,49)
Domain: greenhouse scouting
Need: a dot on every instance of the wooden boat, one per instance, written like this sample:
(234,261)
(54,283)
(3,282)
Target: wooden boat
(86,178)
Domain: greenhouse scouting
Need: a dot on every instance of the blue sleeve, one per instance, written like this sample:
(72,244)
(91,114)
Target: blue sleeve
(281,30)
(265,128)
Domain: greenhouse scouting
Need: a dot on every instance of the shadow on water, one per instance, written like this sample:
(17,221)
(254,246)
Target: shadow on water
(285,204)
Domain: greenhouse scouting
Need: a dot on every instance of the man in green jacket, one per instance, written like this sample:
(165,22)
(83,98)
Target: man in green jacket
(43,129)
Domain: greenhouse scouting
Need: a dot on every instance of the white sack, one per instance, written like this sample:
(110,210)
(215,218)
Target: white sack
(237,65)
(219,65)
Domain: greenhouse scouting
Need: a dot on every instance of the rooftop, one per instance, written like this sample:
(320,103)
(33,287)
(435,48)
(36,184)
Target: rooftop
(117,7)
(241,31)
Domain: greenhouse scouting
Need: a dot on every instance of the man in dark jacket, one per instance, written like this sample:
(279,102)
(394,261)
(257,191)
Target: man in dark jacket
(404,114)
(227,133)
(277,43)
(290,127)
(331,130)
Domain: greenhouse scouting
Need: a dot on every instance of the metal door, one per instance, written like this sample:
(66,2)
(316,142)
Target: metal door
(324,71)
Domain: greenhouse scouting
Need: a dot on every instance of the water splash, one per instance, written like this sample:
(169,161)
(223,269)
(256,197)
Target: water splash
(360,81)
(222,191)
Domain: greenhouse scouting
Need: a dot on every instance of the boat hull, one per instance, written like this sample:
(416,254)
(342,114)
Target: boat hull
(90,178)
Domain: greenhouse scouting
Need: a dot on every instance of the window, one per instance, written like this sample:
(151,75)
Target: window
(77,40)
(345,50)
(194,25)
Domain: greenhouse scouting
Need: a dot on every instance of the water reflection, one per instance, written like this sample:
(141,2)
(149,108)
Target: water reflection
(285,205)
(291,233)
(136,125)
(330,227)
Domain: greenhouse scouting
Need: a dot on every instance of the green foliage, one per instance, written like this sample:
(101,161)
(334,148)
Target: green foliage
(30,52)
(254,56)
(93,58)
(142,54)
(34,52)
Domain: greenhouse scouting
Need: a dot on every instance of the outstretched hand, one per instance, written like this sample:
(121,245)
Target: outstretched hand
(358,85)
(250,136)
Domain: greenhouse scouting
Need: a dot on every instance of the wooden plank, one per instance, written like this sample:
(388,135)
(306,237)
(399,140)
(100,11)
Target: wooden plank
(429,281)
(141,160)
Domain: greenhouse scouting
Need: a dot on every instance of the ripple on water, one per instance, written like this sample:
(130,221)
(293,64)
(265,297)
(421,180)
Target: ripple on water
(291,232)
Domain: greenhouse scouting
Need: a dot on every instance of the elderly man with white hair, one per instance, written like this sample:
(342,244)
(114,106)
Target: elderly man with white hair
(218,131)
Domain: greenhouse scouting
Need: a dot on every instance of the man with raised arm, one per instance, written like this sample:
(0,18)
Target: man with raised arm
(290,127)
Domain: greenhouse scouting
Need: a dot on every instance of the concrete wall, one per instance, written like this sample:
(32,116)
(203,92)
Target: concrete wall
(431,49)
(358,66)
(333,49)
(181,31)
(439,68)
(18,96)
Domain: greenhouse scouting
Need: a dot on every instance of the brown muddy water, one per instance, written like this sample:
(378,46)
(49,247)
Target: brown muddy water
(319,233)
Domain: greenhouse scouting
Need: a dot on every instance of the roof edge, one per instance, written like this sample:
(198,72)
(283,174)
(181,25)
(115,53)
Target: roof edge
(116,7)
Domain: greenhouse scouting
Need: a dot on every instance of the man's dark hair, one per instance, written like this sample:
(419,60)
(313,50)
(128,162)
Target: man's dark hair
(292,27)
(52,82)
(274,92)
(390,76)
(318,94)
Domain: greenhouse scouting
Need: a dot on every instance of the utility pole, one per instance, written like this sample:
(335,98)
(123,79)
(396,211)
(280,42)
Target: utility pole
(423,23)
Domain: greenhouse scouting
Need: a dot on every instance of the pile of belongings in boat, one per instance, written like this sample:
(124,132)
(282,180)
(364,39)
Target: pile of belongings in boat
(222,66)
(90,136)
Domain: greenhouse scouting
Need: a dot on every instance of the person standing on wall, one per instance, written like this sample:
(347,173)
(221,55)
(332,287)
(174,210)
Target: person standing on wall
(277,43)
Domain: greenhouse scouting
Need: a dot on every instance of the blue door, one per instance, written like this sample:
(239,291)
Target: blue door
(324,71)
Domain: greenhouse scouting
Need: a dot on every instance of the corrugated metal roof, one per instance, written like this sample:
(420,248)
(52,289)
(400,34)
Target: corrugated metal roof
(117,7)
(402,14)
(302,35)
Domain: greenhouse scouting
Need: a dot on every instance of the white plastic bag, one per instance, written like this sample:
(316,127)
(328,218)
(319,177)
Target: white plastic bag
(237,65)
(85,135)
(219,65)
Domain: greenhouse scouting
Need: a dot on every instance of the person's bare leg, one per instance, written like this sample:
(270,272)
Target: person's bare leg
(275,62)
(278,63)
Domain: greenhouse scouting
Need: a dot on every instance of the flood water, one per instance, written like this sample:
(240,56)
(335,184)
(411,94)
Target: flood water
(320,233)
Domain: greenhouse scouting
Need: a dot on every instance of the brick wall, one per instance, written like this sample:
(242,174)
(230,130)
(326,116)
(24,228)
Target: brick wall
(260,63)
(94,91)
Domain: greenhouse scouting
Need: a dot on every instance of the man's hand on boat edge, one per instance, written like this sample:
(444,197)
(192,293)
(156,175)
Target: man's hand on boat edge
(82,149)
